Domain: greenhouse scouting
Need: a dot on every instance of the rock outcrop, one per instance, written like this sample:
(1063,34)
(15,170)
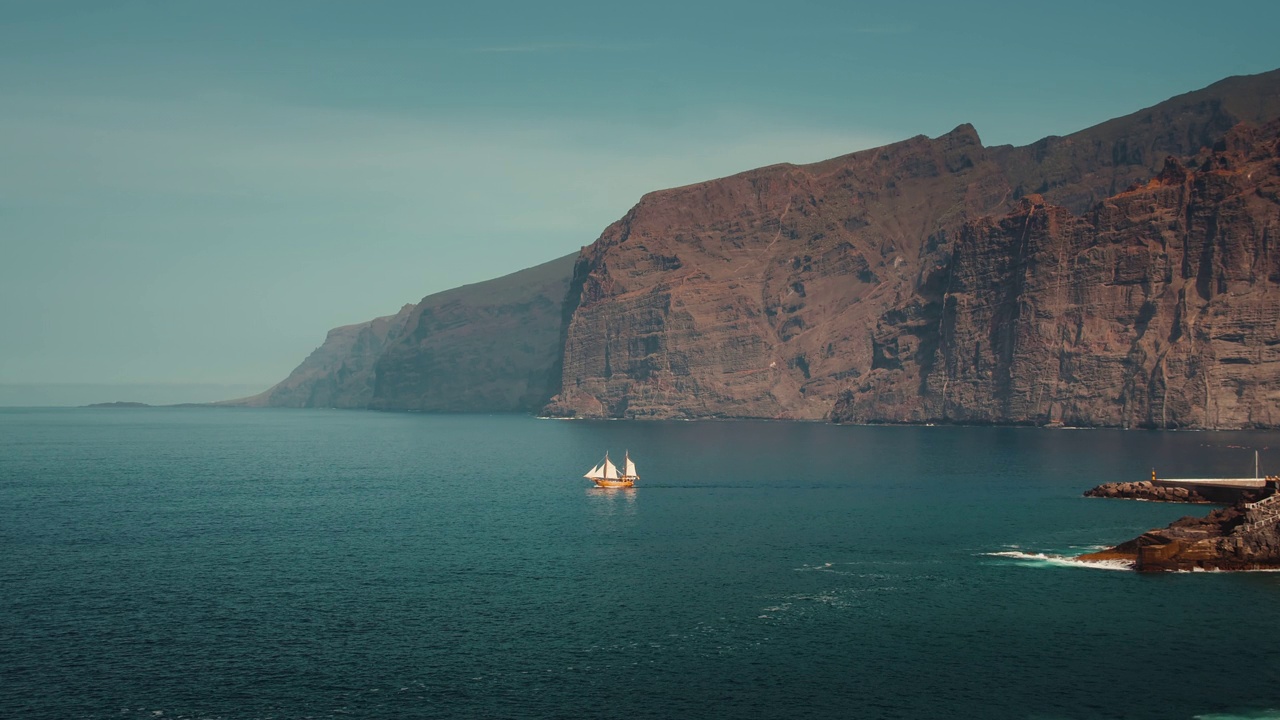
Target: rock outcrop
(928,281)
(1245,536)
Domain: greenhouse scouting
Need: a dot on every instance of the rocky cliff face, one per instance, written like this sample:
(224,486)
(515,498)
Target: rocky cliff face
(339,373)
(876,288)
(1159,308)
(754,296)
(1082,169)
(1080,280)
(489,347)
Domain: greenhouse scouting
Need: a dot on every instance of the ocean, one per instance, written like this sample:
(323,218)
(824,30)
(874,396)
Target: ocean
(258,563)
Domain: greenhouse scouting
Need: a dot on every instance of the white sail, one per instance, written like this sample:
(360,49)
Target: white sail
(610,470)
(630,468)
(594,472)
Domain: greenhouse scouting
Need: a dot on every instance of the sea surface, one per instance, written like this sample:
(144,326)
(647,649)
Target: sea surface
(241,563)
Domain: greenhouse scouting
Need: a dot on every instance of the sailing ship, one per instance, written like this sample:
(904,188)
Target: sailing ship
(606,475)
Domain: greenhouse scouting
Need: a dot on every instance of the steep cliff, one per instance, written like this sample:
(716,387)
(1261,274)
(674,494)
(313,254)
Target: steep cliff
(776,292)
(1081,280)
(1159,308)
(489,347)
(752,296)
(339,373)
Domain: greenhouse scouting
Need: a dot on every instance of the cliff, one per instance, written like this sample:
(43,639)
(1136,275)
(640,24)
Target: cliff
(339,373)
(1123,275)
(911,283)
(1082,169)
(754,295)
(489,347)
(1158,308)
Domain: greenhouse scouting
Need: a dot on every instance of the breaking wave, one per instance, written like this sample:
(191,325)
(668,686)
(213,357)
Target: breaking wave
(1030,559)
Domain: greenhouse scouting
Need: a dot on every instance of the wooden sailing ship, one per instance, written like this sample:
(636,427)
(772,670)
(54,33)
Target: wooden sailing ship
(606,474)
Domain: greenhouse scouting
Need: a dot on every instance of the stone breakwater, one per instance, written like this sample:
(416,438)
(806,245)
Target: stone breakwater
(1145,490)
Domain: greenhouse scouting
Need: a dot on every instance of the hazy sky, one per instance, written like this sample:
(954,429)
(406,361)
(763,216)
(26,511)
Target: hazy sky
(194,192)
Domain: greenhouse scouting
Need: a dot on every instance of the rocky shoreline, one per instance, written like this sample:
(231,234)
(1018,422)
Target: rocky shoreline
(1243,536)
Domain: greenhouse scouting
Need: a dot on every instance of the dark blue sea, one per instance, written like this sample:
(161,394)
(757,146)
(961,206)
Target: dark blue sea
(235,563)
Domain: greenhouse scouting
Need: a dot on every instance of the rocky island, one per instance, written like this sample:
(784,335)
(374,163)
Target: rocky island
(118,404)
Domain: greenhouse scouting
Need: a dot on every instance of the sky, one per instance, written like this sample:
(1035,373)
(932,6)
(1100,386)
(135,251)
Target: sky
(193,193)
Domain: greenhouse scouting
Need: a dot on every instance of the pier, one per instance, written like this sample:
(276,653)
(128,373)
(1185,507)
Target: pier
(1222,488)
(1198,483)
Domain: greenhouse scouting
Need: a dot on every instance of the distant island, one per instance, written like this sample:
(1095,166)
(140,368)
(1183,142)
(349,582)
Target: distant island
(1120,276)
(118,404)
(122,404)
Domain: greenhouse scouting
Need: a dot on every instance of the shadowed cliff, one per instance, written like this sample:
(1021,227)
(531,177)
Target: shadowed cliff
(487,347)
(339,373)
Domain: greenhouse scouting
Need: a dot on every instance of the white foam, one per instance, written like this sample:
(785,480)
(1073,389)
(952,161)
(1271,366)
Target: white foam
(1044,559)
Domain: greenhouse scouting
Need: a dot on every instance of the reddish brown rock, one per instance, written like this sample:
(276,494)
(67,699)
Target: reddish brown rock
(875,288)
(1239,537)
(1160,308)
(755,295)
(933,280)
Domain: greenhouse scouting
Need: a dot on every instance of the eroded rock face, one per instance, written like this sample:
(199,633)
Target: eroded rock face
(1082,169)
(1232,538)
(755,295)
(1159,308)
(339,373)
(920,283)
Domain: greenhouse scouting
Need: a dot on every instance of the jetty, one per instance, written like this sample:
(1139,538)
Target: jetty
(1229,489)
(1220,491)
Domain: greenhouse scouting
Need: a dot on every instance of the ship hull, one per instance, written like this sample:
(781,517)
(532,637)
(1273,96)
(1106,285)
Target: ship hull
(614,483)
